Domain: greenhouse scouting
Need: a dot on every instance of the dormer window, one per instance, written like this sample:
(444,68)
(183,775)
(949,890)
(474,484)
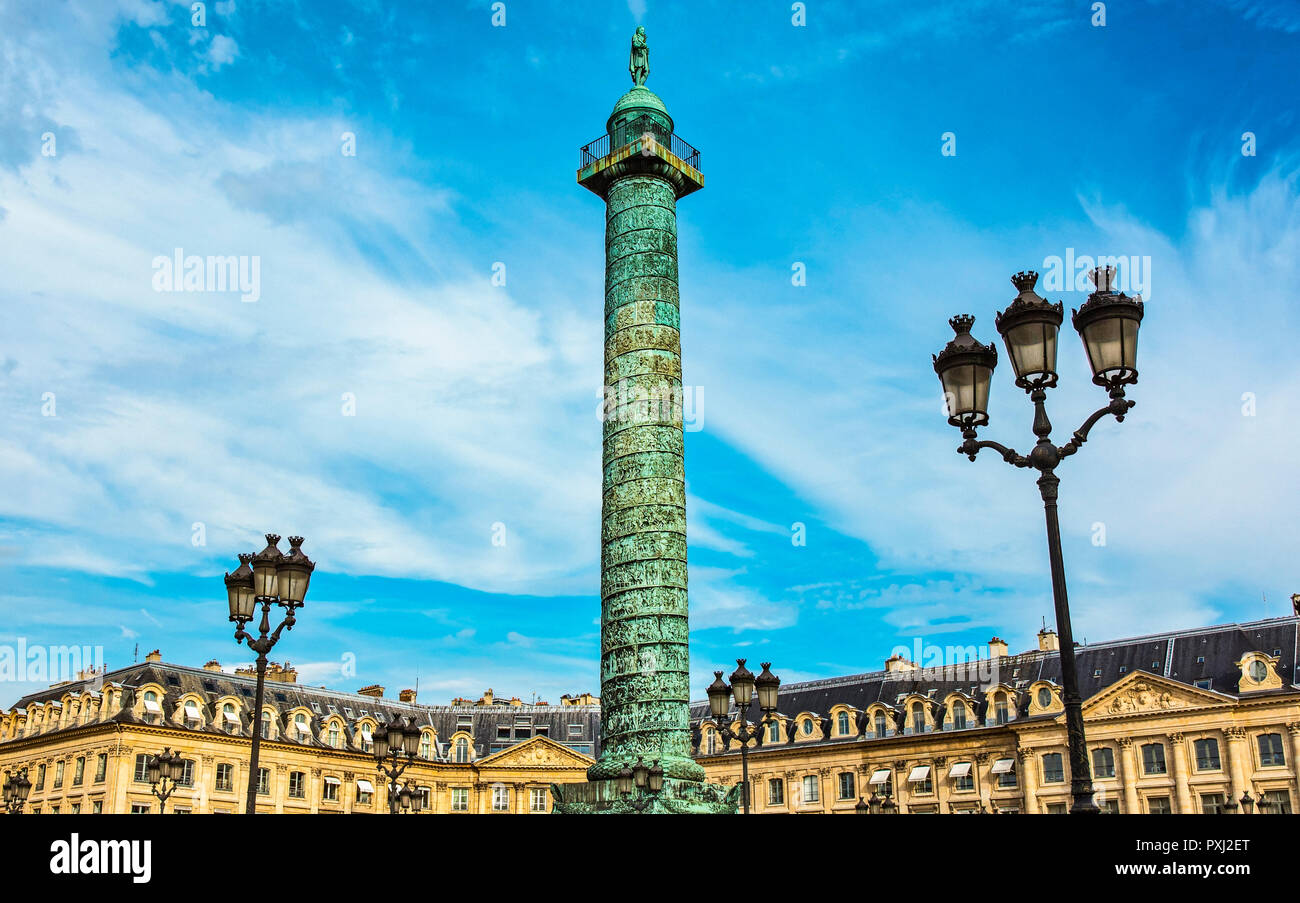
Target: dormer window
(918,718)
(152,710)
(958,715)
(302,727)
(1000,713)
(266,725)
(1258,671)
(882,724)
(774,732)
(366,742)
(192,717)
(1044,697)
(229,718)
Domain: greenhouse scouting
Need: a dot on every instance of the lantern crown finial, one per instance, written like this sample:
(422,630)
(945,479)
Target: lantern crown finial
(1103,279)
(1025,280)
(961,324)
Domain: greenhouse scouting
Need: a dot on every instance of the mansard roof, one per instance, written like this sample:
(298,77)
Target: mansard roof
(481,722)
(1185,656)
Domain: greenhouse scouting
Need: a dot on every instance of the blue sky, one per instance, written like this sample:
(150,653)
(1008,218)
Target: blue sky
(475,404)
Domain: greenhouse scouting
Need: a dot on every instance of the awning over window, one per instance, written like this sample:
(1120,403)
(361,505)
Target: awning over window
(329,780)
(151,705)
(191,710)
(879,776)
(960,770)
(919,773)
(365,786)
(1002,766)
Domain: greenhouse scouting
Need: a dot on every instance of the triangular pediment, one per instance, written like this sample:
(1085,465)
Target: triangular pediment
(539,752)
(1144,693)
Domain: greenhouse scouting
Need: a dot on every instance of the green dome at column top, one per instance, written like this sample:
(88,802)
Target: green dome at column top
(640,100)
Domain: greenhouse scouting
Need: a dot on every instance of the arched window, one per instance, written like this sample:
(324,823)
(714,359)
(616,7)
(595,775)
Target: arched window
(713,742)
(426,745)
(918,718)
(366,743)
(334,734)
(774,732)
(1000,707)
(302,727)
(266,725)
(462,750)
(843,726)
(882,724)
(151,707)
(958,715)
(229,718)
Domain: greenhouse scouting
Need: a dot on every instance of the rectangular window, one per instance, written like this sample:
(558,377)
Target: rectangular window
(97,807)
(264,782)
(330,792)
(503,732)
(101,767)
(811,789)
(460,799)
(776,792)
(1053,768)
(79,773)
(225,776)
(187,774)
(75,809)
(1109,807)
(1103,762)
(1153,759)
(297,785)
(500,799)
(1275,802)
(575,730)
(959,717)
(1000,712)
(1207,754)
(58,775)
(141,775)
(1213,803)
(962,779)
(1158,805)
(846,786)
(1056,808)
(537,800)
(1270,750)
(139,808)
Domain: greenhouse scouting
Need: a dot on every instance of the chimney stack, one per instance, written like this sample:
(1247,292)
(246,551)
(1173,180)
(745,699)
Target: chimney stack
(997,647)
(1048,641)
(406,695)
(212,665)
(154,656)
(374,690)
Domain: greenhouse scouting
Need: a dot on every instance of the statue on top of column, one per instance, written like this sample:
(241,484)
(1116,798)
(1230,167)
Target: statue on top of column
(638,58)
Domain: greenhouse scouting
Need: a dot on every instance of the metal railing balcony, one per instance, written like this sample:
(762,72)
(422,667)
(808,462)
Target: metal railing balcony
(631,132)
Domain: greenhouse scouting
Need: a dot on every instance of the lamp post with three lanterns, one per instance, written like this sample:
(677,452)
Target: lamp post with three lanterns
(395,748)
(1108,324)
(273,579)
(742,689)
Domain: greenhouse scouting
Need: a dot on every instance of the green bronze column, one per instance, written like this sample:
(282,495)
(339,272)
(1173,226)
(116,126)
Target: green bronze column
(640,169)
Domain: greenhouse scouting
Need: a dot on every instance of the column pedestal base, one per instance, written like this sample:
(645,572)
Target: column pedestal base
(677,798)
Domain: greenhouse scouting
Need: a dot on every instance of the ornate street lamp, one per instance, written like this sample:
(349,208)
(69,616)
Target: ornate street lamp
(1247,804)
(16,788)
(165,771)
(647,781)
(273,579)
(1108,324)
(742,690)
(395,747)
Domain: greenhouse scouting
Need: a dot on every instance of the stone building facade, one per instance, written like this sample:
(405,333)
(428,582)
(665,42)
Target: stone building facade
(1184,722)
(85,744)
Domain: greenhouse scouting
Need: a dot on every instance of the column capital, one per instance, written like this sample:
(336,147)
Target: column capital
(1174,737)
(1294,728)
(1125,742)
(1025,752)
(1235,733)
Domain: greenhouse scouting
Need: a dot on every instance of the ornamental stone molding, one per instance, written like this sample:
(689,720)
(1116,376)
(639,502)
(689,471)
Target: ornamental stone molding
(1125,742)
(1143,697)
(1293,727)
(1235,733)
(1174,738)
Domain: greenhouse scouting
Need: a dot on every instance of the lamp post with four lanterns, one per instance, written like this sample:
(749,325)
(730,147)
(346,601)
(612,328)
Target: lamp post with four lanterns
(16,787)
(165,771)
(395,747)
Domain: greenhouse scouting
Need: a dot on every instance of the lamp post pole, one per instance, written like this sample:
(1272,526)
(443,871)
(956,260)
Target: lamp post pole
(1108,324)
(742,689)
(273,579)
